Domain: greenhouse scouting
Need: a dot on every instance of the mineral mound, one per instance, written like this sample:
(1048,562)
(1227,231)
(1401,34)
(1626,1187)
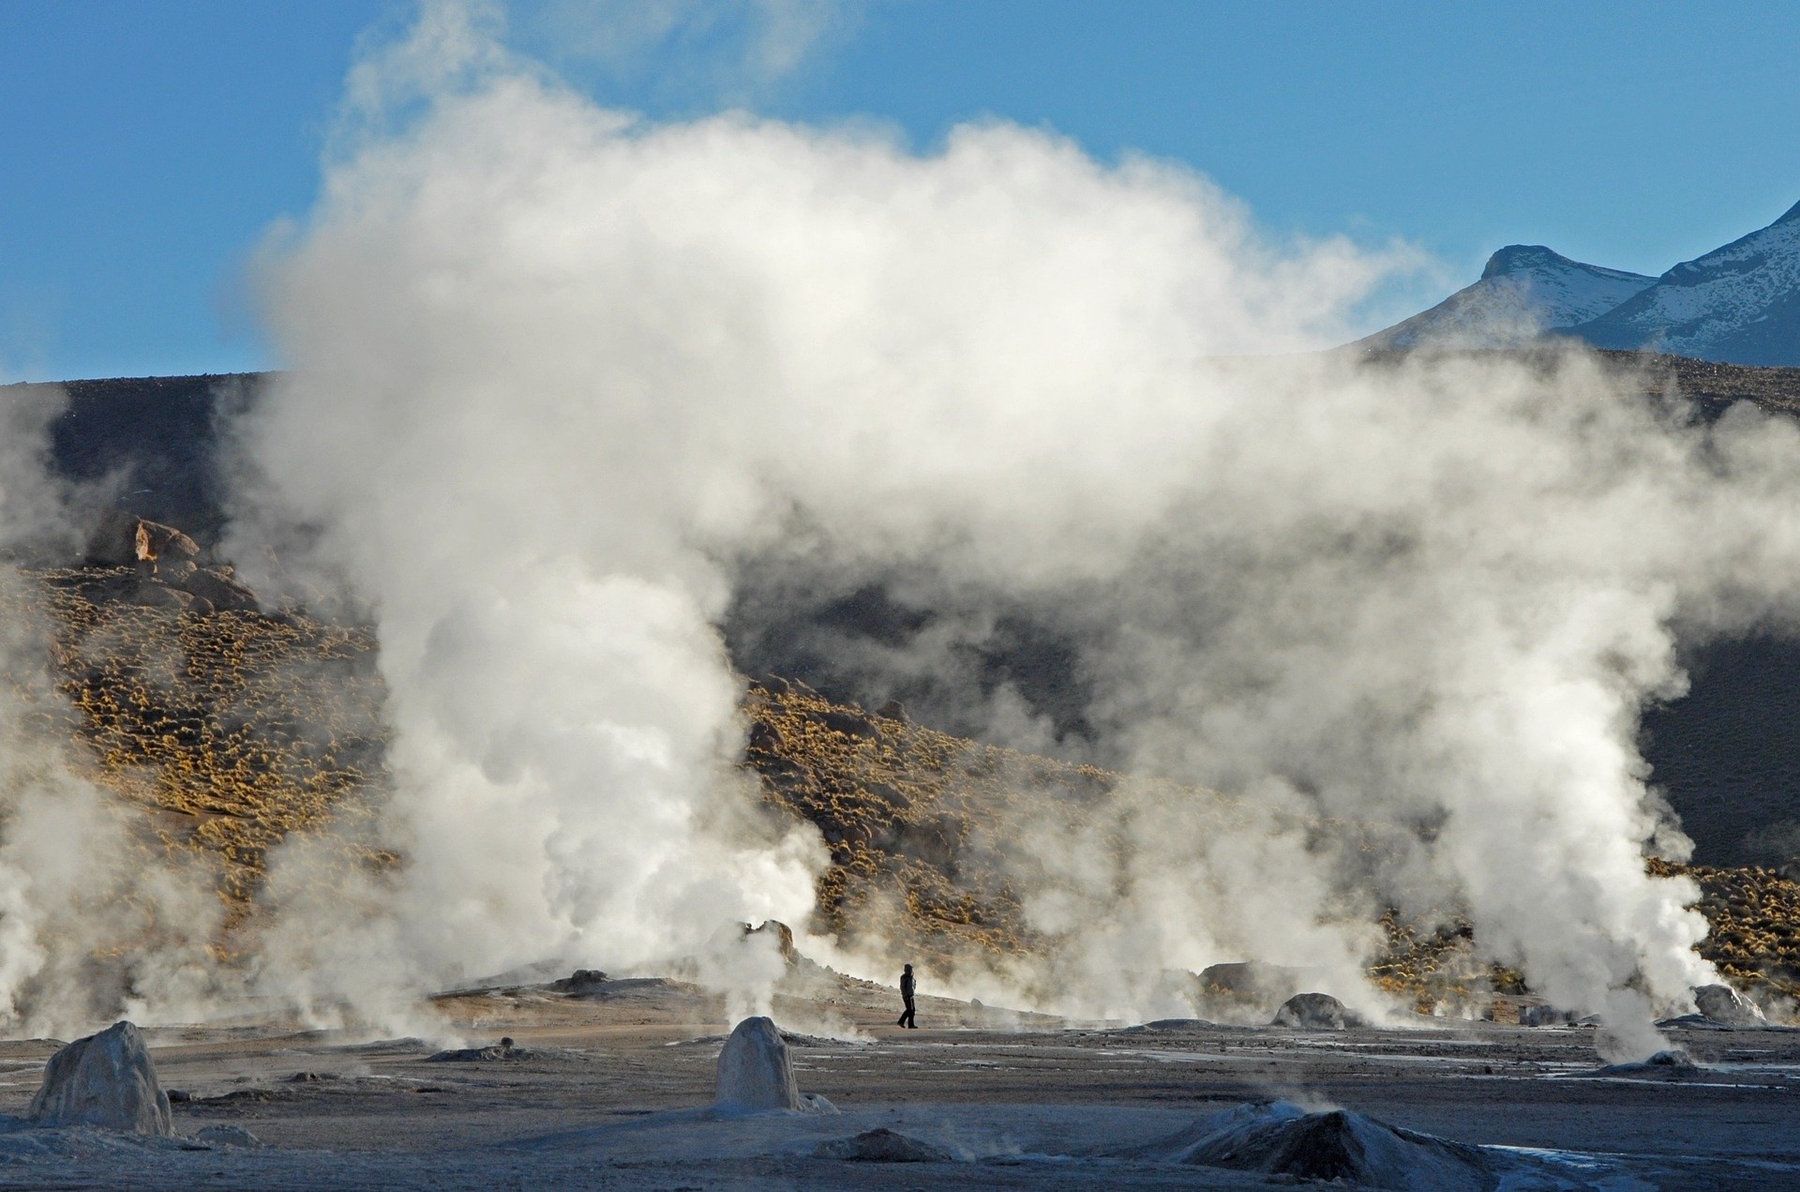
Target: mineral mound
(754,1070)
(104,1080)
(1339,1146)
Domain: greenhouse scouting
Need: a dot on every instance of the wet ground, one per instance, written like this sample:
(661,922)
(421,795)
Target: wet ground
(614,1084)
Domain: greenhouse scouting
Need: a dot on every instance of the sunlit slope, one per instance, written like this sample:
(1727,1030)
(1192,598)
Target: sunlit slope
(917,821)
(229,730)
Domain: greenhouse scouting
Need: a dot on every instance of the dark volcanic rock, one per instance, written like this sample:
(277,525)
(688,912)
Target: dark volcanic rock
(1314,1012)
(1664,1065)
(882,1146)
(580,981)
(219,588)
(161,595)
(851,724)
(504,1050)
(162,434)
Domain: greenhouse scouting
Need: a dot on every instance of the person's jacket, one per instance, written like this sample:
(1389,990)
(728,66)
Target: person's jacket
(906,984)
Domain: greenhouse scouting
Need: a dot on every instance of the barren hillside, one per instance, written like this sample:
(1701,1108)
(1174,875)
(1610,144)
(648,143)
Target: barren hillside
(231,729)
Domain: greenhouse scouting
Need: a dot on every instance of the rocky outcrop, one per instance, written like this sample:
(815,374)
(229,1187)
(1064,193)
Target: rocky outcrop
(580,981)
(782,934)
(504,1050)
(1314,1012)
(163,546)
(123,540)
(104,1080)
(754,1070)
(1723,1004)
(168,565)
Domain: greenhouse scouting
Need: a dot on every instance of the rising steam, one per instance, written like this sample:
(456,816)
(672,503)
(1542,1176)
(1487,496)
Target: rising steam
(562,379)
(89,924)
(568,390)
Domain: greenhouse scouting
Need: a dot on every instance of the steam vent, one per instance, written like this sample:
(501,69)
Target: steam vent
(226,728)
(808,600)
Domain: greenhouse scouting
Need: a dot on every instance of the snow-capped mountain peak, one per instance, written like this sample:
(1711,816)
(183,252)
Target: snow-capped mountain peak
(1525,290)
(1739,303)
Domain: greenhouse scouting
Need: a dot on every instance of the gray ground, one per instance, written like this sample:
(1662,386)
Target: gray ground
(614,1093)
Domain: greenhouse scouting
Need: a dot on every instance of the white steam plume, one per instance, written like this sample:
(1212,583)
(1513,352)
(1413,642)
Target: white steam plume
(557,377)
(94,918)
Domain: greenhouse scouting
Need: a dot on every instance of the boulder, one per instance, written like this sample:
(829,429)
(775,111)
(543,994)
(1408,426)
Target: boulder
(754,1070)
(161,595)
(882,1146)
(1544,1015)
(104,1080)
(123,539)
(1314,1012)
(178,572)
(1722,1003)
(154,542)
(219,587)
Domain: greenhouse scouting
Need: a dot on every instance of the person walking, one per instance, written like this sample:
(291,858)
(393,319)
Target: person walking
(906,995)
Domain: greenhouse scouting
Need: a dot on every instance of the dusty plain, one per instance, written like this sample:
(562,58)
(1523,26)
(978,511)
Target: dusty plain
(611,1088)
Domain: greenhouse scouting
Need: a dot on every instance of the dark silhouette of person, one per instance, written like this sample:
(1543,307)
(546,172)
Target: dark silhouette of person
(906,995)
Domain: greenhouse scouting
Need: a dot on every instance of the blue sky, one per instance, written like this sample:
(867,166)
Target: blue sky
(147,145)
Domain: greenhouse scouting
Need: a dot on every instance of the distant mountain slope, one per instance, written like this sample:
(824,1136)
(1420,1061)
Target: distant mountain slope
(1525,291)
(1739,303)
(1727,755)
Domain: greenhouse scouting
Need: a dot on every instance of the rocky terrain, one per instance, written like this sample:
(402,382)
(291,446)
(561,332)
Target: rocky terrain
(613,1085)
